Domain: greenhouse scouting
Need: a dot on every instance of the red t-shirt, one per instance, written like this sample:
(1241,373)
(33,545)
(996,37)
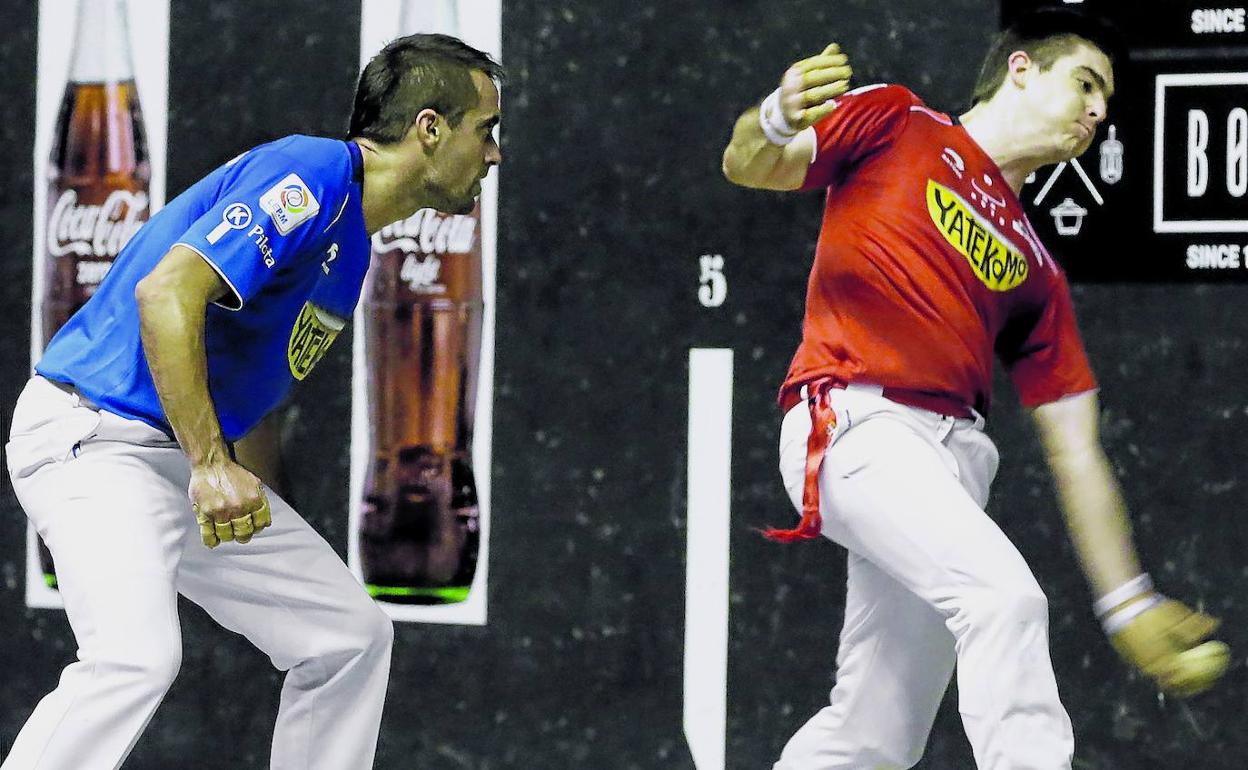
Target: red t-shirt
(926,264)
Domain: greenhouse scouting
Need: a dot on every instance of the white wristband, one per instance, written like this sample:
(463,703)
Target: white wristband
(1120,619)
(1137,585)
(771,120)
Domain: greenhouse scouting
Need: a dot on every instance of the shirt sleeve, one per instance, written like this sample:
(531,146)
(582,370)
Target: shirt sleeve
(865,121)
(267,218)
(1044,354)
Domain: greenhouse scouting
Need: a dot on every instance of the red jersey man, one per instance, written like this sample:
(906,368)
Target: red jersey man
(926,267)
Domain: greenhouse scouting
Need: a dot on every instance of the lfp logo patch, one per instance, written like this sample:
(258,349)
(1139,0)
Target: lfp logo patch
(313,333)
(995,263)
(289,203)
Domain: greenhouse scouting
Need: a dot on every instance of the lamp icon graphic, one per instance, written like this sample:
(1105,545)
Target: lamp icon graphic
(1068,217)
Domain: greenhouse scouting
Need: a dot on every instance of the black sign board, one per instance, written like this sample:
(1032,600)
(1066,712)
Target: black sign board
(1160,194)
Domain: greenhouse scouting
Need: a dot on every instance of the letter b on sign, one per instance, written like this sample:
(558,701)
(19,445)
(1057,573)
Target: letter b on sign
(1197,159)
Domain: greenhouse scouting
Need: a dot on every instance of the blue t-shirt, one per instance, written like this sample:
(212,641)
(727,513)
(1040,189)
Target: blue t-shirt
(284,227)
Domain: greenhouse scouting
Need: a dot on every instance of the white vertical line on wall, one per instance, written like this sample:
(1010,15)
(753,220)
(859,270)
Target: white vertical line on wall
(706,565)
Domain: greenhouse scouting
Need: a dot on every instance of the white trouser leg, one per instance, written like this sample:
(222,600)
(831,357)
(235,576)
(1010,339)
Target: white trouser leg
(291,595)
(893,665)
(904,489)
(112,526)
(119,525)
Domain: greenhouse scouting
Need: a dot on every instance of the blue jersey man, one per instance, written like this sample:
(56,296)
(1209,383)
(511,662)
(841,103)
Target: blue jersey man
(282,226)
(121,444)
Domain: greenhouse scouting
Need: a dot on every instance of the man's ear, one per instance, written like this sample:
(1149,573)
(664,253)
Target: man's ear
(428,127)
(1018,66)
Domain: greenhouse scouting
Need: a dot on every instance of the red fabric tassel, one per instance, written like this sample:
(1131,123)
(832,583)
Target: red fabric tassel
(823,424)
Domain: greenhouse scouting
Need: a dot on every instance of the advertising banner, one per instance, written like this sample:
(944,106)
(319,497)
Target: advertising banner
(1159,196)
(422,377)
(99,167)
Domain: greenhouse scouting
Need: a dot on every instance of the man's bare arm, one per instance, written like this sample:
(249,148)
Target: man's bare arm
(1163,638)
(1090,498)
(172,302)
(805,97)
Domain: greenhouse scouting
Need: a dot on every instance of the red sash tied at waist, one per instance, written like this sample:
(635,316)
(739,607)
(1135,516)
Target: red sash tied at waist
(823,426)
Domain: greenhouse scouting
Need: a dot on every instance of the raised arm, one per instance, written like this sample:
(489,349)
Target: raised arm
(1161,637)
(770,147)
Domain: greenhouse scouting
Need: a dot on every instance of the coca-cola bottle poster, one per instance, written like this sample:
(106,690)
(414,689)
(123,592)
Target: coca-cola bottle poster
(422,377)
(99,167)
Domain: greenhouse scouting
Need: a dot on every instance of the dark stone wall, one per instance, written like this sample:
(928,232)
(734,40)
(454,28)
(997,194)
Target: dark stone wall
(37,642)
(615,116)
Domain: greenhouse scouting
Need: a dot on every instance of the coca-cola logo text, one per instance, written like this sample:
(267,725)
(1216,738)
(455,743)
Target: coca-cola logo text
(422,276)
(99,231)
(429,232)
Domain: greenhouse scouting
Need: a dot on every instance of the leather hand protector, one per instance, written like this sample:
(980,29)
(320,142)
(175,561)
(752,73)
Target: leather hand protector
(1166,640)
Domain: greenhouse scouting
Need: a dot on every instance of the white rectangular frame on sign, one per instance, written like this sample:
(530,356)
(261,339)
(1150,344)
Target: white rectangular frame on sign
(481,27)
(148,22)
(1187,80)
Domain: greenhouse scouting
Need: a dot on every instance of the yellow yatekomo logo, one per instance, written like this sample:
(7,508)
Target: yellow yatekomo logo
(997,265)
(314,332)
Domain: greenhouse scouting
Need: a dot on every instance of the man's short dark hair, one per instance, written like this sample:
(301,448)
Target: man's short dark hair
(1045,35)
(415,73)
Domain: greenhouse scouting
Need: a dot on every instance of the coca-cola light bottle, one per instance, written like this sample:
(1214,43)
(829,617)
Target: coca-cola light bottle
(419,523)
(97,174)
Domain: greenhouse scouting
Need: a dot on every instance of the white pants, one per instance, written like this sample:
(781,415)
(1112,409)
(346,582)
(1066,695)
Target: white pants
(109,497)
(932,581)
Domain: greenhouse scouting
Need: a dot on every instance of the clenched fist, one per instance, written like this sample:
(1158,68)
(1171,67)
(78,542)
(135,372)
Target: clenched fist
(229,503)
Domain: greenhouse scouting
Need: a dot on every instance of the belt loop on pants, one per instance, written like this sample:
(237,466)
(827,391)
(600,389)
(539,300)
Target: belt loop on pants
(822,425)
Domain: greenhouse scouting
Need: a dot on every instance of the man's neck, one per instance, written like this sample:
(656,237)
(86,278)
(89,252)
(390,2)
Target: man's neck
(993,128)
(387,196)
